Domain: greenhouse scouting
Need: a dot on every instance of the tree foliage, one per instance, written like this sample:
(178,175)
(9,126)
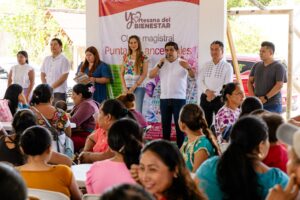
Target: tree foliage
(32,28)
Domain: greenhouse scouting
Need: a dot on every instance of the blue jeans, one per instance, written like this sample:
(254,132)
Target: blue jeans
(139,94)
(167,108)
(277,108)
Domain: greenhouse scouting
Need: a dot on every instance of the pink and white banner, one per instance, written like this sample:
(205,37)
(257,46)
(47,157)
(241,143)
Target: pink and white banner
(156,22)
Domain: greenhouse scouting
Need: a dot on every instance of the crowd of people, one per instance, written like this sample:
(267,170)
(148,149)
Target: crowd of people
(227,147)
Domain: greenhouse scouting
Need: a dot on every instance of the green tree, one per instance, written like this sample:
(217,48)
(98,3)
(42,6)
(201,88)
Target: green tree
(32,28)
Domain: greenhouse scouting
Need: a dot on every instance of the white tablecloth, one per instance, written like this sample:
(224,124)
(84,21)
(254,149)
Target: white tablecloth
(79,172)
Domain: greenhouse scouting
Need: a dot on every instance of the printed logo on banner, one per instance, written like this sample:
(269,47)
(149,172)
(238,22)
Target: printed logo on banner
(136,21)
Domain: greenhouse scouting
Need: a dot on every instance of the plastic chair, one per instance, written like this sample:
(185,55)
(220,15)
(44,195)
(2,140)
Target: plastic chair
(46,194)
(90,197)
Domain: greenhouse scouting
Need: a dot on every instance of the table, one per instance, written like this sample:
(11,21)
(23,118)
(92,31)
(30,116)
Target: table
(79,172)
(7,126)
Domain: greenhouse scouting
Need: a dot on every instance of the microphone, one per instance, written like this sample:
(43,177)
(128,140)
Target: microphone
(162,63)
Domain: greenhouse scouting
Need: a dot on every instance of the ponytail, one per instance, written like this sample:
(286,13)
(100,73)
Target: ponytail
(210,136)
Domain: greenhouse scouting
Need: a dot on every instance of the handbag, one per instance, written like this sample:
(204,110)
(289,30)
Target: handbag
(5,113)
(61,142)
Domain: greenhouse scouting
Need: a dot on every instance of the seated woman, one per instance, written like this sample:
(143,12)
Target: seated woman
(36,145)
(96,146)
(82,114)
(9,144)
(277,155)
(163,173)
(129,101)
(233,97)
(240,173)
(16,98)
(199,143)
(125,139)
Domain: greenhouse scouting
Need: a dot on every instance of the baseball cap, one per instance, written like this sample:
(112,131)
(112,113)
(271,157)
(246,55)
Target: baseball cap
(290,134)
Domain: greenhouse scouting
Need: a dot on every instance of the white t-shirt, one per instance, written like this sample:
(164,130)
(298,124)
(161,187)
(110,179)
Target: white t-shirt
(20,75)
(54,68)
(173,80)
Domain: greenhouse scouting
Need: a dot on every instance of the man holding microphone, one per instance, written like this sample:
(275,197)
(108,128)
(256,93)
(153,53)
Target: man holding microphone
(173,72)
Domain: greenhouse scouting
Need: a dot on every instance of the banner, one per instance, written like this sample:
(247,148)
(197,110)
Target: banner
(156,22)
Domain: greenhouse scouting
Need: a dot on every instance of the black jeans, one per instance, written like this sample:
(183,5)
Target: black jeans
(210,108)
(167,108)
(59,96)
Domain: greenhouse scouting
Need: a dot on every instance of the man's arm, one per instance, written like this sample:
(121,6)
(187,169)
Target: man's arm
(250,83)
(43,77)
(275,89)
(187,66)
(155,71)
(60,81)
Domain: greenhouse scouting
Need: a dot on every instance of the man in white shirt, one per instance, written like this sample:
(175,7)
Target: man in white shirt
(213,76)
(55,70)
(173,72)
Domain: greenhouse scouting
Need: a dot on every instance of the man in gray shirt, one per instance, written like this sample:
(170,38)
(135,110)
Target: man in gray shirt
(266,79)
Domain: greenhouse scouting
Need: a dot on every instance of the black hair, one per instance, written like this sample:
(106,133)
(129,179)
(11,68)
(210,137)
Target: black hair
(126,192)
(228,89)
(194,118)
(127,99)
(172,44)
(23,119)
(183,187)
(35,140)
(61,105)
(25,54)
(116,109)
(273,121)
(12,94)
(126,137)
(84,90)
(41,94)
(12,184)
(235,171)
(218,43)
(250,104)
(269,45)
(259,112)
(58,41)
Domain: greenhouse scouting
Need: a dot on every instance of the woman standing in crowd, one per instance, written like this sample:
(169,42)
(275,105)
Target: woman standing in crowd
(37,173)
(98,72)
(233,97)
(129,101)
(9,144)
(96,146)
(82,114)
(22,74)
(125,139)
(240,173)
(16,98)
(200,143)
(134,71)
(163,173)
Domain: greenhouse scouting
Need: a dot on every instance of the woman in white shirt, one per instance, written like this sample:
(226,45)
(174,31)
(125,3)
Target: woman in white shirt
(22,74)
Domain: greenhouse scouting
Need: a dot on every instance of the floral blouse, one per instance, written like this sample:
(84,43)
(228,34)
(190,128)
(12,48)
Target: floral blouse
(60,120)
(130,76)
(188,149)
(225,117)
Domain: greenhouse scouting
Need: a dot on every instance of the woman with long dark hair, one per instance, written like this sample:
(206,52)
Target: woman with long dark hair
(199,143)
(125,139)
(163,173)
(16,98)
(99,73)
(240,173)
(134,71)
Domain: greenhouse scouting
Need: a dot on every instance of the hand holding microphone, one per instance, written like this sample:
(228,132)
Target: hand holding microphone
(161,62)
